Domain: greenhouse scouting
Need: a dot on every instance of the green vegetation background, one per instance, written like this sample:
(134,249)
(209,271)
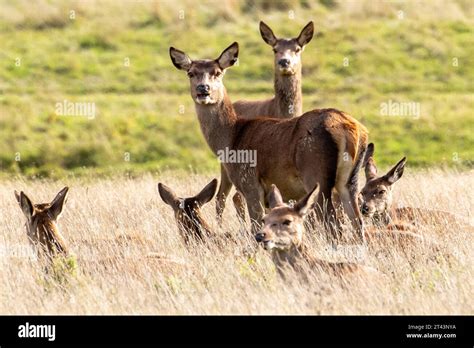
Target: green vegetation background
(398,50)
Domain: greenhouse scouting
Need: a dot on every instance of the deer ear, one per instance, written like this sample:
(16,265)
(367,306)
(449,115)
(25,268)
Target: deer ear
(168,196)
(267,34)
(26,205)
(207,193)
(229,56)
(302,207)
(58,203)
(396,172)
(370,169)
(17,196)
(306,34)
(180,59)
(369,152)
(274,197)
(369,163)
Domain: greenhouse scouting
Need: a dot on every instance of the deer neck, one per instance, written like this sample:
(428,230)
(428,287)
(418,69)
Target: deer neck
(288,95)
(384,218)
(290,257)
(217,123)
(202,226)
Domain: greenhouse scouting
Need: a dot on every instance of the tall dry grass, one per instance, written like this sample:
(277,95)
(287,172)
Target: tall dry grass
(111,224)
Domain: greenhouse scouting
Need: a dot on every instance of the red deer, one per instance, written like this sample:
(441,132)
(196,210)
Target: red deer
(323,146)
(187,211)
(41,224)
(282,234)
(286,103)
(376,200)
(284,229)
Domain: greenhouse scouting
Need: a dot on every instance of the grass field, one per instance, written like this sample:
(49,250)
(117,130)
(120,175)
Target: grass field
(115,55)
(111,225)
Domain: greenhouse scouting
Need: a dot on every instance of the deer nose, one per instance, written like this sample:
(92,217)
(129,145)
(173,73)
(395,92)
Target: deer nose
(365,209)
(203,89)
(260,237)
(284,63)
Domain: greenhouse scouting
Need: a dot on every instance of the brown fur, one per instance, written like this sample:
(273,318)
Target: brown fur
(376,199)
(283,235)
(420,216)
(295,153)
(288,100)
(399,236)
(286,103)
(187,211)
(41,225)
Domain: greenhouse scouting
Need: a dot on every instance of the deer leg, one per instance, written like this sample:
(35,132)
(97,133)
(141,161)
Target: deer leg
(255,206)
(326,213)
(239,205)
(222,193)
(323,209)
(351,209)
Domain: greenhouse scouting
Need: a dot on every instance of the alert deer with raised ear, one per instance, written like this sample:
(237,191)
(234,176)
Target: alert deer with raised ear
(376,200)
(324,146)
(41,224)
(286,103)
(284,228)
(283,232)
(187,211)
(288,99)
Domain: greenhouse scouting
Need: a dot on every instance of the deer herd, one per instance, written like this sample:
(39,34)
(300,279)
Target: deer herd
(305,178)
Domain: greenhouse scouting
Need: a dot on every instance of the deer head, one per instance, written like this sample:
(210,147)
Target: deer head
(376,196)
(287,51)
(283,226)
(41,223)
(206,75)
(187,210)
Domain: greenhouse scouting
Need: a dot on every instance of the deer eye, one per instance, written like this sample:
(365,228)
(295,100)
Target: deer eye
(287,222)
(190,74)
(218,73)
(382,191)
(298,49)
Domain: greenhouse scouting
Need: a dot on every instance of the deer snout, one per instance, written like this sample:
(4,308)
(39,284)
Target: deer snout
(260,237)
(266,239)
(284,62)
(365,209)
(203,89)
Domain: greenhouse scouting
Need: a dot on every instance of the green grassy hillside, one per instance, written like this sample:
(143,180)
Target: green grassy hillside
(115,54)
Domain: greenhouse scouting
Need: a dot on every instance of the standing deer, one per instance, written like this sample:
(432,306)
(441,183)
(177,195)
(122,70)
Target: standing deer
(187,211)
(322,146)
(286,103)
(376,200)
(41,224)
(282,234)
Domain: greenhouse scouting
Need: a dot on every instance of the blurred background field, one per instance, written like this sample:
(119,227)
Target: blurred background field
(115,54)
